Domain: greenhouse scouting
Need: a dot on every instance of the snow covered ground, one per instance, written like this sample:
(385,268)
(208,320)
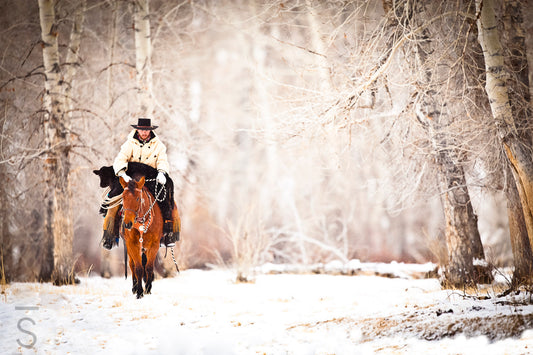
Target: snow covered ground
(206,312)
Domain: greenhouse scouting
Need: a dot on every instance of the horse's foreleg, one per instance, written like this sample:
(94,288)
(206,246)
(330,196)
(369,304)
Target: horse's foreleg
(133,276)
(151,255)
(136,267)
(139,270)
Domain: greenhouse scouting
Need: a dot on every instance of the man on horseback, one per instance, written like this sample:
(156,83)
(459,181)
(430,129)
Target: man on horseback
(144,146)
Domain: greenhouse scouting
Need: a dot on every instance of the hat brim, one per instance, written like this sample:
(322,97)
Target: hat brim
(144,128)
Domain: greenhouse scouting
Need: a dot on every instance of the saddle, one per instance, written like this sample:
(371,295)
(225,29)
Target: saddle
(112,200)
(109,180)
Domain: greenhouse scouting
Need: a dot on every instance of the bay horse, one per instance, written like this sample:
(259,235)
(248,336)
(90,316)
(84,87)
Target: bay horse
(143,229)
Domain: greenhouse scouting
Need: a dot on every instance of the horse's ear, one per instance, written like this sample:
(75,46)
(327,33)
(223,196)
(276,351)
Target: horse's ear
(96,172)
(141,182)
(122,182)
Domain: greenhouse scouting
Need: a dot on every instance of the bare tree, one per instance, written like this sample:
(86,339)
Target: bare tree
(516,65)
(434,110)
(303,112)
(143,55)
(58,223)
(510,122)
(521,247)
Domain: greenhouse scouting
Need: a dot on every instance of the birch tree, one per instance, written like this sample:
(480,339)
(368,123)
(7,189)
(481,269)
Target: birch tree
(72,59)
(143,56)
(58,234)
(514,135)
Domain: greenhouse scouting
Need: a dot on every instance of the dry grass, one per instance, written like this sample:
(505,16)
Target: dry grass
(249,241)
(433,323)
(3,281)
(437,324)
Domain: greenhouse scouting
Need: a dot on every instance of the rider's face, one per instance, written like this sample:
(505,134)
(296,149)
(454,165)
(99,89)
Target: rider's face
(143,133)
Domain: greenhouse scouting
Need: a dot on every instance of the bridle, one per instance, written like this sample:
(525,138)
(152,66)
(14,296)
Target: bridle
(145,221)
(142,221)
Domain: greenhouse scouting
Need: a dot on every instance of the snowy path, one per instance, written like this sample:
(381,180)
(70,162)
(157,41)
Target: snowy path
(204,312)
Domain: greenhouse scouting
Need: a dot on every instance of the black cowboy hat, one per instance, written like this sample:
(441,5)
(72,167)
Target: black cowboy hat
(145,124)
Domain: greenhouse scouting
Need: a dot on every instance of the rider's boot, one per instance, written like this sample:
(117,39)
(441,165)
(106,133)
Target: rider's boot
(176,222)
(109,239)
(171,228)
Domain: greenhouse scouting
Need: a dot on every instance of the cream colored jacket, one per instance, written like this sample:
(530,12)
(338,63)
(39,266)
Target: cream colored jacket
(153,153)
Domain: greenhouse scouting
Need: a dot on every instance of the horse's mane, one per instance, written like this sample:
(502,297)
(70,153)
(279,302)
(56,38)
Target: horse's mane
(132,185)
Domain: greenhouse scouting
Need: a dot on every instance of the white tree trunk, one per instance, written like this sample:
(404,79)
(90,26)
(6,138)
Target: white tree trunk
(73,61)
(143,56)
(516,147)
(494,66)
(318,46)
(58,222)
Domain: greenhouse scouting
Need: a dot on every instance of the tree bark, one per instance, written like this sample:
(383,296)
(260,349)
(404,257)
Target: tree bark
(319,47)
(510,121)
(466,258)
(73,59)
(519,97)
(466,264)
(143,56)
(58,222)
(522,254)
(5,238)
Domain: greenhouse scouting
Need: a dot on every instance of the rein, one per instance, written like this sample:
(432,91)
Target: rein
(144,221)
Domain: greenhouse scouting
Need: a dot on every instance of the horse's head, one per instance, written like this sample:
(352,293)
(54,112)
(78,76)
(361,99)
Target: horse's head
(131,200)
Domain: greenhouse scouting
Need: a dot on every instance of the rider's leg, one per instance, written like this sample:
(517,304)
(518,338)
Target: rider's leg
(171,228)
(168,230)
(109,239)
(176,222)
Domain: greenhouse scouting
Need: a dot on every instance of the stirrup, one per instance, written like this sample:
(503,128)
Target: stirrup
(170,240)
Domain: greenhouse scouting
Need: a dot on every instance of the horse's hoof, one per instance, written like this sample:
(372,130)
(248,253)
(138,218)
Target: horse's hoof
(139,295)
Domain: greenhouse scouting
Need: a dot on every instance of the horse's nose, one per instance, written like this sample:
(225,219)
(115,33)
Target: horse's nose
(128,225)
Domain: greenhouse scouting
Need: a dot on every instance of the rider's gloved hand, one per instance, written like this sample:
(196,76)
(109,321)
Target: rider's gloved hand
(125,176)
(161,178)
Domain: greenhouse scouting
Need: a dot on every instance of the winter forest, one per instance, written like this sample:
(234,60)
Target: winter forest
(299,133)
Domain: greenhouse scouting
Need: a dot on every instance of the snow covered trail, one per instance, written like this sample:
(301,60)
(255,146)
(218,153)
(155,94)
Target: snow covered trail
(205,312)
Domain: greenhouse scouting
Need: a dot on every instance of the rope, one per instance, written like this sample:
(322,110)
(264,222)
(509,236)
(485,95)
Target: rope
(110,202)
(156,199)
(174,259)
(149,210)
(163,189)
